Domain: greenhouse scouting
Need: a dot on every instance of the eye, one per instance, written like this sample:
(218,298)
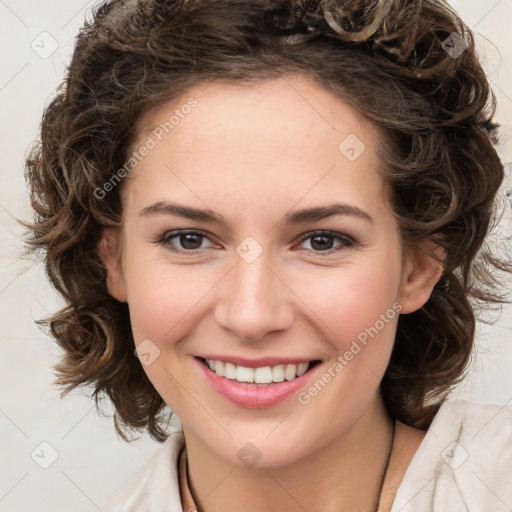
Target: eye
(322,241)
(189,240)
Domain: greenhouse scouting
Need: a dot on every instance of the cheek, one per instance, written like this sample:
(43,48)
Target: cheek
(165,305)
(352,299)
(163,299)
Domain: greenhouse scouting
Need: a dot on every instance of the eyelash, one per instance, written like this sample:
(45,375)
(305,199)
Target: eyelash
(345,240)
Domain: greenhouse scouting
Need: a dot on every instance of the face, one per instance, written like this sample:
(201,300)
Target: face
(271,273)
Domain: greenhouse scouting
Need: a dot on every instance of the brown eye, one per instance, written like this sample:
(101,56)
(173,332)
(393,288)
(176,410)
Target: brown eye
(323,241)
(183,241)
(190,241)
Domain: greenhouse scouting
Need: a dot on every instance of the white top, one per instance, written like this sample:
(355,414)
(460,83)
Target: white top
(464,464)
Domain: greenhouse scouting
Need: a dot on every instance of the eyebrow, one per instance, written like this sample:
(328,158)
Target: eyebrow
(296,217)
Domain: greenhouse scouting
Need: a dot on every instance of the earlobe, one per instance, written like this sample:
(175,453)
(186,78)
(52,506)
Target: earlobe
(421,273)
(110,255)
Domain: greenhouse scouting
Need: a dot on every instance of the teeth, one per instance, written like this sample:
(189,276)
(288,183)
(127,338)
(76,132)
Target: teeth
(263,375)
(278,373)
(242,374)
(302,368)
(229,371)
(255,376)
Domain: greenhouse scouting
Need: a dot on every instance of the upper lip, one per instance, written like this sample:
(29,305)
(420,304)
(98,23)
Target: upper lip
(258,363)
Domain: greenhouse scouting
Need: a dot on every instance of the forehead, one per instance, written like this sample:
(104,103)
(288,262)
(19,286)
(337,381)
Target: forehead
(287,136)
(260,107)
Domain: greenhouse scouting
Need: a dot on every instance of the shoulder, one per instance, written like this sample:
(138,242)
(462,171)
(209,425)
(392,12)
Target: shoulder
(471,412)
(154,485)
(477,432)
(464,461)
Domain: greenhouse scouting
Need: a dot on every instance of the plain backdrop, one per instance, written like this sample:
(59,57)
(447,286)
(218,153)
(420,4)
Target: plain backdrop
(85,458)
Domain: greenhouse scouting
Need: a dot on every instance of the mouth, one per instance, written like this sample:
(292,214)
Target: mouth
(263,376)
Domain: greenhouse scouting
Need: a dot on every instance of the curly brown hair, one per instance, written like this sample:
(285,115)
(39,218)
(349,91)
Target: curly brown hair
(398,62)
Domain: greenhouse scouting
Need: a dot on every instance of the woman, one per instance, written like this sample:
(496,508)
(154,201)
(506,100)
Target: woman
(270,217)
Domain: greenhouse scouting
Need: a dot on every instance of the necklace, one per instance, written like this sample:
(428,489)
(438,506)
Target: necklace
(381,484)
(382,480)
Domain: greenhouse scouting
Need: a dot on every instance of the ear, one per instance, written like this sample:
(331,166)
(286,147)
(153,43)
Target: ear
(420,274)
(109,248)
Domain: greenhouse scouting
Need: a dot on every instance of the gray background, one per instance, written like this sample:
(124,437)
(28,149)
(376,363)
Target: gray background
(37,40)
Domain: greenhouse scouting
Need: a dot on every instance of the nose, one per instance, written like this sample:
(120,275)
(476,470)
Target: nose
(254,300)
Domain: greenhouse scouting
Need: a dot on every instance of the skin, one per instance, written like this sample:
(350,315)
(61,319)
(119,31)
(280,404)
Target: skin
(253,153)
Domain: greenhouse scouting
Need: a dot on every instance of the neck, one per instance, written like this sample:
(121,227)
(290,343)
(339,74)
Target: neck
(344,475)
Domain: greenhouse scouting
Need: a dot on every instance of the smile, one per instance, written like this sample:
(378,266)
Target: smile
(256,388)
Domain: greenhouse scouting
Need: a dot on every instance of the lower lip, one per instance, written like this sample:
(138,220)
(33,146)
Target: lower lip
(254,397)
